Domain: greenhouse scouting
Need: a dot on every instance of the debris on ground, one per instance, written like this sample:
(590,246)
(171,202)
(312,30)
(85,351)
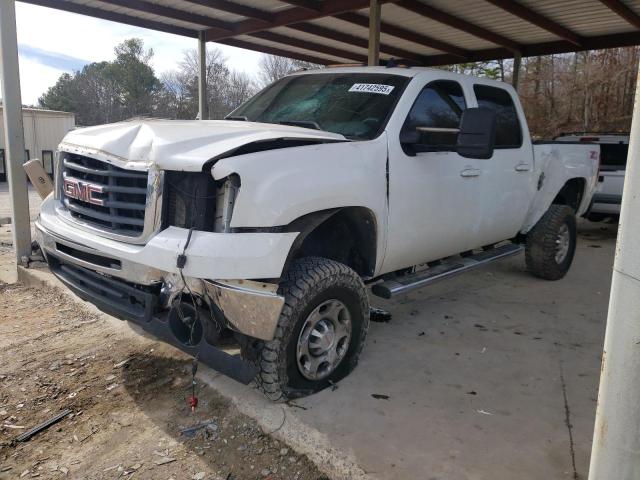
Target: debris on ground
(379,315)
(209,425)
(126,397)
(379,396)
(42,426)
(484,412)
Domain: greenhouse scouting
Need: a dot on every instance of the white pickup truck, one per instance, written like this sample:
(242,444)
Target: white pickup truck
(270,224)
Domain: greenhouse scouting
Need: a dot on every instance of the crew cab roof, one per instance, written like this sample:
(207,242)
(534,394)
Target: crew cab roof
(411,72)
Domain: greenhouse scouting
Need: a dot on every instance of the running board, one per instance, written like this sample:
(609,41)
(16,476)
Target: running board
(408,283)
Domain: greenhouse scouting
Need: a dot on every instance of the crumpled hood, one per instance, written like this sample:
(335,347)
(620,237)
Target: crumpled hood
(177,144)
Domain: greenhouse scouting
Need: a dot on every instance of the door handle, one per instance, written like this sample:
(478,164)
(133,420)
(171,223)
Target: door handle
(470,172)
(523,167)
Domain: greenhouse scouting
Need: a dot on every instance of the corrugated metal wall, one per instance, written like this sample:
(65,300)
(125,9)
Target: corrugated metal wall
(43,131)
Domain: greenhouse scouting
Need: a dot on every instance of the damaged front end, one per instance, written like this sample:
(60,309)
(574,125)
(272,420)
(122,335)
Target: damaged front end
(197,320)
(156,248)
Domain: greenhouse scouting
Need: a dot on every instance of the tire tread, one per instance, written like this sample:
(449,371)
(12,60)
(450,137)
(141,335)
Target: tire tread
(300,283)
(541,243)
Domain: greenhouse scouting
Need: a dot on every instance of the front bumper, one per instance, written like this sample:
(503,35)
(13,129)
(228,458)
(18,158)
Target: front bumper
(232,256)
(217,266)
(251,308)
(139,306)
(139,283)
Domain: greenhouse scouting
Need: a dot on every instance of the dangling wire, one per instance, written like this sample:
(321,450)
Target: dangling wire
(181,262)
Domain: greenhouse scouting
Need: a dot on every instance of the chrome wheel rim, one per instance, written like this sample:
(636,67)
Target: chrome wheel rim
(563,240)
(324,340)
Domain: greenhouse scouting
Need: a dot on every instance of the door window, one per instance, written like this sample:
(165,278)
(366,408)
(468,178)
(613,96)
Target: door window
(508,131)
(440,104)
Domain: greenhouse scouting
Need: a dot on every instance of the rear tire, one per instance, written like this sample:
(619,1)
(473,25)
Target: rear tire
(551,244)
(320,333)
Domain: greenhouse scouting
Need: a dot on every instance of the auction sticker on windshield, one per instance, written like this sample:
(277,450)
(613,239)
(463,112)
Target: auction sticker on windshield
(372,88)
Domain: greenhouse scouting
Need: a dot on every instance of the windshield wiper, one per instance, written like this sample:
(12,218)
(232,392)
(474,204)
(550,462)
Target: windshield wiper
(241,118)
(301,123)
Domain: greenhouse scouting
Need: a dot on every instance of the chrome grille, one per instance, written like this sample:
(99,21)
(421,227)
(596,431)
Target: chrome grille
(118,197)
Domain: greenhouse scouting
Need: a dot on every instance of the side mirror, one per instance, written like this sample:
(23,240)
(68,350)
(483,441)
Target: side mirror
(409,137)
(477,135)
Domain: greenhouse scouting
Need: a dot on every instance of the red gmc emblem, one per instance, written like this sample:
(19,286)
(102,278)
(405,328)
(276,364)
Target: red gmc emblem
(85,192)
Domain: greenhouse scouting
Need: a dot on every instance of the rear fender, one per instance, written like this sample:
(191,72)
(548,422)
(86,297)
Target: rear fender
(554,171)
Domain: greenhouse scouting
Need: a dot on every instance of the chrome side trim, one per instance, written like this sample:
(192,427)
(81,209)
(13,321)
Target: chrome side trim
(252,308)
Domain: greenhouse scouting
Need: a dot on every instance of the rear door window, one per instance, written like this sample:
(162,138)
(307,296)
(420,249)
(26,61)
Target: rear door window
(508,130)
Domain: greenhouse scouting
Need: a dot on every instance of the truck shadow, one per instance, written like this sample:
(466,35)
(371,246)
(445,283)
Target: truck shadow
(231,444)
(601,231)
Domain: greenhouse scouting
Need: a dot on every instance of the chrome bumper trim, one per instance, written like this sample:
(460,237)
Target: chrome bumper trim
(253,308)
(128,270)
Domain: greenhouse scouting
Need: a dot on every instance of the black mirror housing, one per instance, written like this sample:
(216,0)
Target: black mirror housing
(409,137)
(477,135)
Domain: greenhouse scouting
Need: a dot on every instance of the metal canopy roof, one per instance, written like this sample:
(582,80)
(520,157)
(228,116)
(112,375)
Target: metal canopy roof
(427,32)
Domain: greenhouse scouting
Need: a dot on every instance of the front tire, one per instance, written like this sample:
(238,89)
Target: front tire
(551,244)
(320,333)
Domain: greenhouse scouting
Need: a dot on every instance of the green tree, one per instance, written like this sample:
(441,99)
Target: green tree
(136,82)
(104,92)
(61,96)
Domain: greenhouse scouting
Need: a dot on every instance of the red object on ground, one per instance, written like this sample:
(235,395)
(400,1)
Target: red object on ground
(193,402)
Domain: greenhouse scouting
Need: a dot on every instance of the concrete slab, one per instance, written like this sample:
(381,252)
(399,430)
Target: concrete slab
(484,374)
(491,375)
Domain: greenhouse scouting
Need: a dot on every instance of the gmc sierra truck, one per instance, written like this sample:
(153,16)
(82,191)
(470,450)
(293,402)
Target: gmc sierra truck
(270,225)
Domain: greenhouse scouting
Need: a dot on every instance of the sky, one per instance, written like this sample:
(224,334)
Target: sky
(51,42)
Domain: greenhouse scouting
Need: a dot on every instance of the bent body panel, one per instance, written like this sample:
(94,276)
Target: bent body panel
(210,255)
(556,164)
(279,187)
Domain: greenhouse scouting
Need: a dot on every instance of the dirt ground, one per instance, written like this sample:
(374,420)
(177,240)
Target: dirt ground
(128,402)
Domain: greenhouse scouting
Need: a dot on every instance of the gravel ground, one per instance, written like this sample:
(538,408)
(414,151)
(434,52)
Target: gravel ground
(128,402)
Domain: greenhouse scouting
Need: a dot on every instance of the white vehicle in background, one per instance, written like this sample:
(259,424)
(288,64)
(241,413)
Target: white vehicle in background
(614,148)
(270,224)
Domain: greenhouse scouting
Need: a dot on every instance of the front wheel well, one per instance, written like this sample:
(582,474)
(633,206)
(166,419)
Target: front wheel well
(347,235)
(571,193)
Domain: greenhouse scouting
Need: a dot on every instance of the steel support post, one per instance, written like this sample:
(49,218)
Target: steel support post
(203,110)
(375,11)
(515,78)
(14,133)
(615,453)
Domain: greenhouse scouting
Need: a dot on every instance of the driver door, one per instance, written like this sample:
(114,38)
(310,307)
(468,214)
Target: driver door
(432,189)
